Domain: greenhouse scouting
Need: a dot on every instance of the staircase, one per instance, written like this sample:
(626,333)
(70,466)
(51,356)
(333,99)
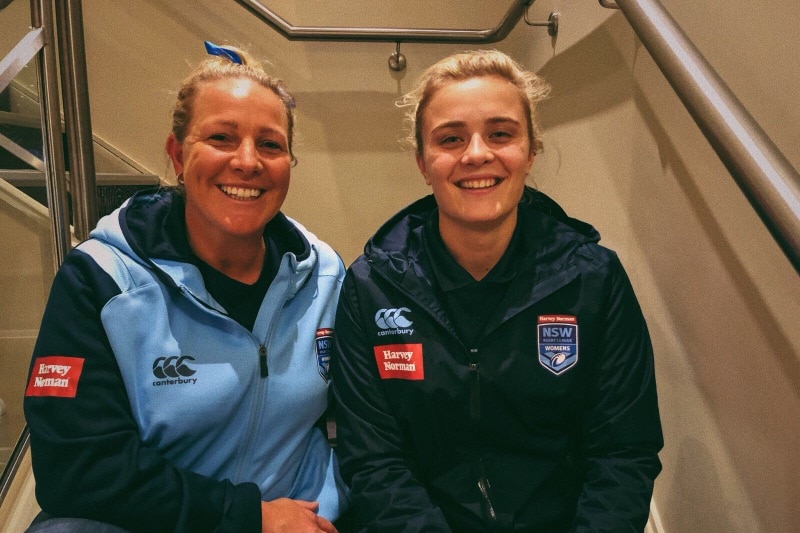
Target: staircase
(21,155)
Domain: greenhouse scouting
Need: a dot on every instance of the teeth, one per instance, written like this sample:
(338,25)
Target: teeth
(478,184)
(240,192)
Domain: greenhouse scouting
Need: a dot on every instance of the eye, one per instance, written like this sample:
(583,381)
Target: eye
(271,146)
(449,140)
(501,135)
(219,137)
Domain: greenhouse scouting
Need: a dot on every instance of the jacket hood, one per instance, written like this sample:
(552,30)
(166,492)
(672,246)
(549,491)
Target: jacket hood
(551,238)
(150,228)
(403,228)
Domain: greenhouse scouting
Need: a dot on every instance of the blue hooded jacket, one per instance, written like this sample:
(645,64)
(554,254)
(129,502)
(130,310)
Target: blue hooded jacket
(150,408)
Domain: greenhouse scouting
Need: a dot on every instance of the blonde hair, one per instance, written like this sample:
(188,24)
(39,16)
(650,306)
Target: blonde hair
(221,67)
(462,66)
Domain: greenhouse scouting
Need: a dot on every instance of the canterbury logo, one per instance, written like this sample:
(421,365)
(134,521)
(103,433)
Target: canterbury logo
(392,318)
(172,367)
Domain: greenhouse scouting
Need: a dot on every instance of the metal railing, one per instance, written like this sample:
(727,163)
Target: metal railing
(75,95)
(397,62)
(762,172)
(406,35)
(40,43)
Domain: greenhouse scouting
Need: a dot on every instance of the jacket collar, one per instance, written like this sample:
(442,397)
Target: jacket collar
(396,249)
(150,229)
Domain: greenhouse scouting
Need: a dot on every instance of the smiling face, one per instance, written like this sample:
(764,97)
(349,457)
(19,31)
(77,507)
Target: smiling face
(234,160)
(475,153)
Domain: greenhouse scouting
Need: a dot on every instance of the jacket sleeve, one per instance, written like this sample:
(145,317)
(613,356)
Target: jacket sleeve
(88,460)
(621,427)
(375,462)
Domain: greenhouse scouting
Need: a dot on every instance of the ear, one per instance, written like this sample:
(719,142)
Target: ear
(175,152)
(421,167)
(531,157)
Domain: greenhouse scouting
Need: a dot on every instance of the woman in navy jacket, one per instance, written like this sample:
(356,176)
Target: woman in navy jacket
(493,369)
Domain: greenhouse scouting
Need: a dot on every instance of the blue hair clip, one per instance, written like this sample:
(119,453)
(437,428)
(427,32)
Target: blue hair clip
(215,50)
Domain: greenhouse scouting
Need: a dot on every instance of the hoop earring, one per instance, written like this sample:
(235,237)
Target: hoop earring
(180,178)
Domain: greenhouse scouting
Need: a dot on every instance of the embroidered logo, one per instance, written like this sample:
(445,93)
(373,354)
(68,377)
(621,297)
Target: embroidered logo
(55,375)
(392,322)
(173,370)
(399,361)
(323,344)
(558,342)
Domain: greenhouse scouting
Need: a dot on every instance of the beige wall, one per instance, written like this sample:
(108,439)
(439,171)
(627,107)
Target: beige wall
(721,300)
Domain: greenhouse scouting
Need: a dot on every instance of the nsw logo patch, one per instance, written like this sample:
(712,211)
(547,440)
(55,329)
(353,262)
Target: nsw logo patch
(399,361)
(558,342)
(323,344)
(55,375)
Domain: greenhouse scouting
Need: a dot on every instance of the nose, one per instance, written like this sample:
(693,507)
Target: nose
(477,151)
(245,159)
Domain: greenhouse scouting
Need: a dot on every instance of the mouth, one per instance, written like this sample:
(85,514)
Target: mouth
(478,183)
(241,193)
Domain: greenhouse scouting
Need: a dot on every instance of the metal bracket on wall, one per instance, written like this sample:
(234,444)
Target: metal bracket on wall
(397,61)
(552,23)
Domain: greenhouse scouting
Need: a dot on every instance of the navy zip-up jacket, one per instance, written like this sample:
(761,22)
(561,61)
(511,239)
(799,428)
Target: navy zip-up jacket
(548,423)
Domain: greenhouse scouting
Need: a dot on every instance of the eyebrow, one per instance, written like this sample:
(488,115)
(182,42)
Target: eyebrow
(228,123)
(461,123)
(235,125)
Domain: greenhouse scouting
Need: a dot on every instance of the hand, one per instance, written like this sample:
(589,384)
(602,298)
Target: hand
(295,516)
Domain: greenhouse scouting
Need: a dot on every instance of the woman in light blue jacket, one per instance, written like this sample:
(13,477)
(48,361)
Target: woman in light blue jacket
(180,377)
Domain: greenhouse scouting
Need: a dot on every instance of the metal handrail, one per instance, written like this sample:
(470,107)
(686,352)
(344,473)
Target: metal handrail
(767,178)
(42,16)
(76,109)
(406,35)
(42,22)
(75,91)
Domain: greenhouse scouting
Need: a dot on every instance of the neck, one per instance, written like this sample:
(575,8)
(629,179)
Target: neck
(477,248)
(238,258)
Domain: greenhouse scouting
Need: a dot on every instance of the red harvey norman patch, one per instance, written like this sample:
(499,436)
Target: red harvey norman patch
(55,375)
(399,361)
(557,319)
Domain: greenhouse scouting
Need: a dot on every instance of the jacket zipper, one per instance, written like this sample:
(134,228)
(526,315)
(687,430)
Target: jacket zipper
(264,373)
(484,486)
(262,361)
(262,348)
(474,394)
(475,416)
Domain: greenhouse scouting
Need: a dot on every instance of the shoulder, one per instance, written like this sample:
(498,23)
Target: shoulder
(556,246)
(81,279)
(361,270)
(358,276)
(328,261)
(598,256)
(369,281)
(126,272)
